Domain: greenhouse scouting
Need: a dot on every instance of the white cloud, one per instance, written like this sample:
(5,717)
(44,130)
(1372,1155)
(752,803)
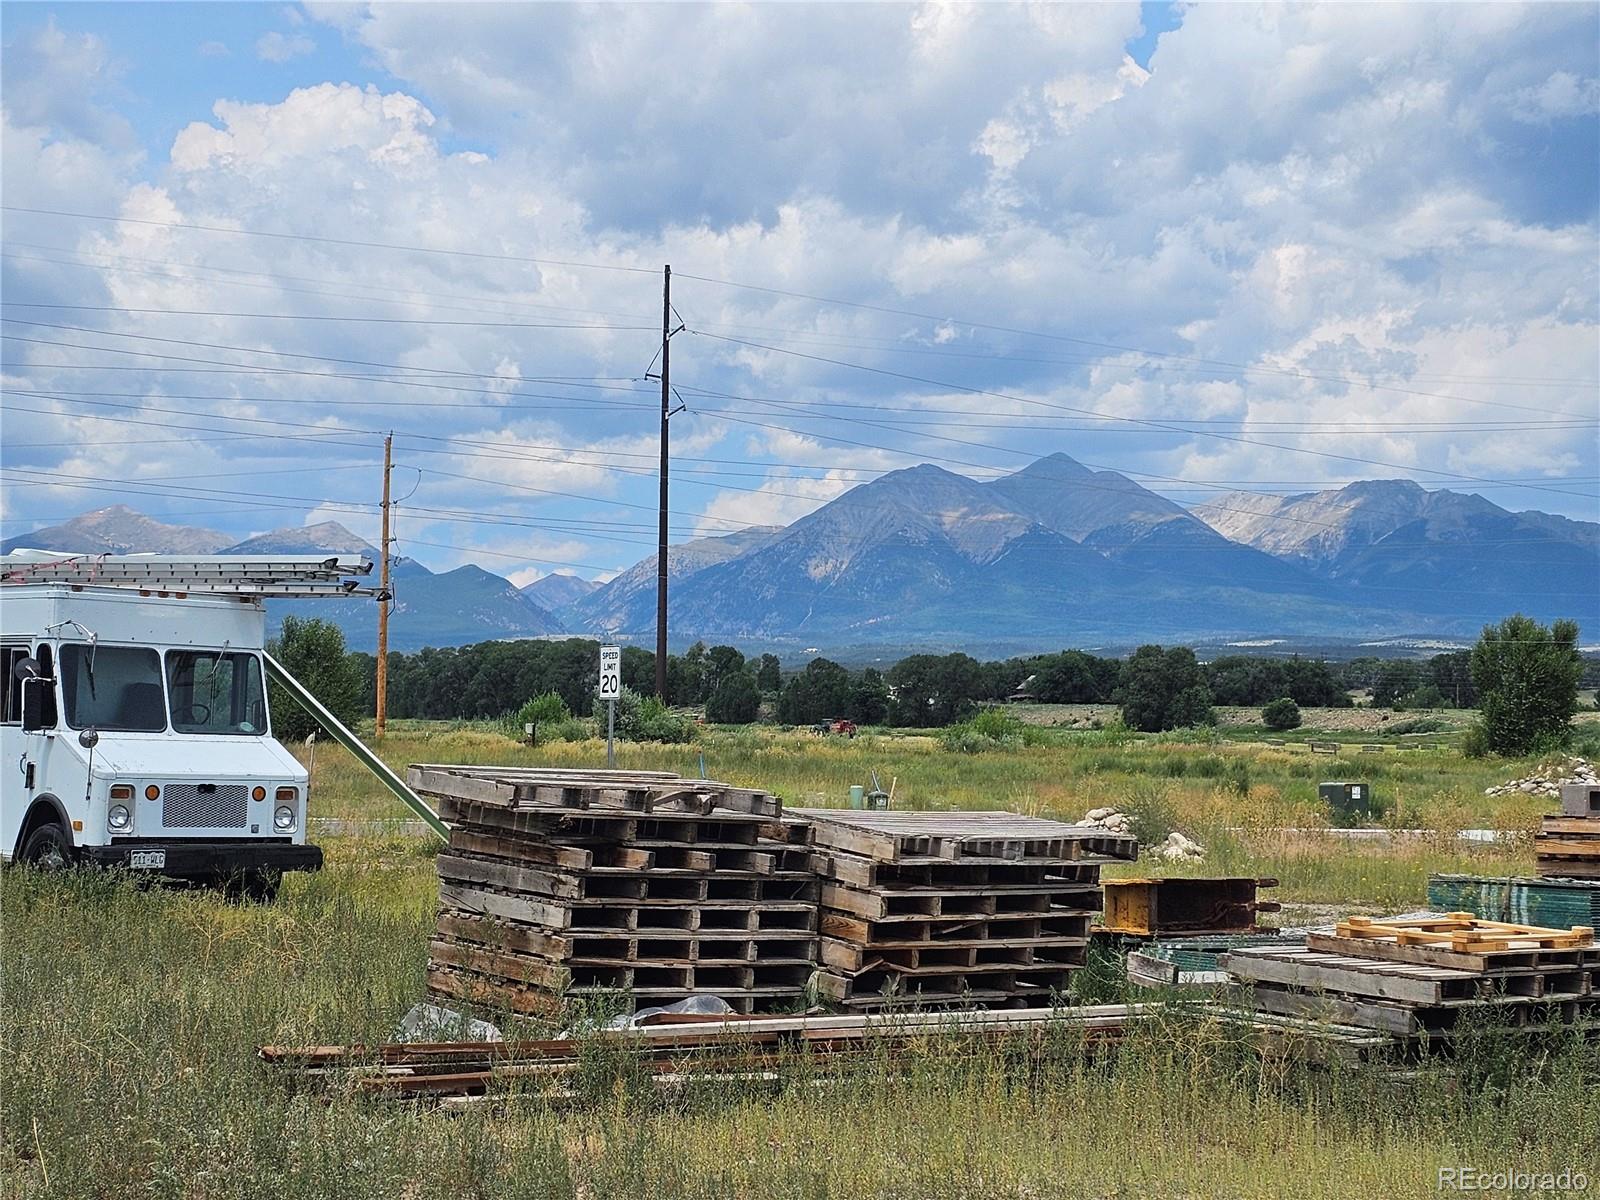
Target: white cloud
(213,50)
(1348,198)
(1562,95)
(275,47)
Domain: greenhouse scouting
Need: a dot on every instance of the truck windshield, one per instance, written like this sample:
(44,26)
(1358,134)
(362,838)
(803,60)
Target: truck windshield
(113,688)
(213,691)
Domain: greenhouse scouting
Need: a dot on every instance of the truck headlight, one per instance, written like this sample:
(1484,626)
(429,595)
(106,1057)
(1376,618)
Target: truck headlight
(283,819)
(118,817)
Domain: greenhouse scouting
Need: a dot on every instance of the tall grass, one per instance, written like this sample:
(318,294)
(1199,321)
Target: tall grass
(130,1017)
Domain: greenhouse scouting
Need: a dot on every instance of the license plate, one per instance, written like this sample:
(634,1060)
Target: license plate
(147,860)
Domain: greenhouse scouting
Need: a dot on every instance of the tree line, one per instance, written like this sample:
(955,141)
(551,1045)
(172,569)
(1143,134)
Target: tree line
(489,679)
(1522,676)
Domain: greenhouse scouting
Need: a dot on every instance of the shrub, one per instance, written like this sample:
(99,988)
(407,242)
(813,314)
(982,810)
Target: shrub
(993,729)
(548,709)
(1152,815)
(573,729)
(1417,725)
(646,719)
(1282,713)
(1475,741)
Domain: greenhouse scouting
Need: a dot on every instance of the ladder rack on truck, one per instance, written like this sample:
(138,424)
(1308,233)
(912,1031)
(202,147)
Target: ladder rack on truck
(301,576)
(158,664)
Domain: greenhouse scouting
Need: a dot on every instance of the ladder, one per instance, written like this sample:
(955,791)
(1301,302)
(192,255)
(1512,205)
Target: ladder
(286,575)
(363,753)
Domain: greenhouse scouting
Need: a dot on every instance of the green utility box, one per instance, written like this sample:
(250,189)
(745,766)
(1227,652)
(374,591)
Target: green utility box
(1348,801)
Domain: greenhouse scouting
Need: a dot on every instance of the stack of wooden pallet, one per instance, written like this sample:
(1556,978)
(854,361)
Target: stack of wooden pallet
(1568,846)
(577,883)
(954,907)
(1419,976)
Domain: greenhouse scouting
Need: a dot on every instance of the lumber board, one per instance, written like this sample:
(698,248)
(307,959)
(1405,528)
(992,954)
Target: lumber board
(1581,826)
(1566,847)
(1366,1014)
(482,902)
(521,939)
(492,873)
(1338,976)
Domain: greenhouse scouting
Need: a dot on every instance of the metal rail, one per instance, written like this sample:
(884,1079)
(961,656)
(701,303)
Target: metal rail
(246,575)
(364,755)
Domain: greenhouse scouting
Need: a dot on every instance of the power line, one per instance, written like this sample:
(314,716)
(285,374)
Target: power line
(1121,349)
(329,241)
(257,316)
(1087,412)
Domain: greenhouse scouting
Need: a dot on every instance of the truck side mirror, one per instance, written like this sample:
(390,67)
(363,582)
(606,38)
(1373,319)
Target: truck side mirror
(34,695)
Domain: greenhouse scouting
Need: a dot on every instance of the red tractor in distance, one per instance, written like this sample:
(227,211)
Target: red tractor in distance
(835,725)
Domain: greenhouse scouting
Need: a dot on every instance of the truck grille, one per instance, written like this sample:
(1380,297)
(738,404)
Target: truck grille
(203,805)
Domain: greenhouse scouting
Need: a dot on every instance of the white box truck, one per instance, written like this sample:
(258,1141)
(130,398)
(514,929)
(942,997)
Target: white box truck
(135,729)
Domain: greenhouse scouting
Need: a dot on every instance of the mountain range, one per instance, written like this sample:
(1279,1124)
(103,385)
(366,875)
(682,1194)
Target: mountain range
(449,608)
(1054,554)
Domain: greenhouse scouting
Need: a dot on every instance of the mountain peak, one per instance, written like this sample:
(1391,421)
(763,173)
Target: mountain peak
(118,529)
(1059,465)
(325,537)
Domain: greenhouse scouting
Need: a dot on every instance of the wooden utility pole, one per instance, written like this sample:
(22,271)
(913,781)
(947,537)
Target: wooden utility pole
(661,536)
(383,603)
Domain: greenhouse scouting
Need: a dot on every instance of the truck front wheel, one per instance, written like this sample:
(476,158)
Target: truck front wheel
(49,848)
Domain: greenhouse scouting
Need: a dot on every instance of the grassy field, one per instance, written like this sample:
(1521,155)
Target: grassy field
(1253,806)
(129,1016)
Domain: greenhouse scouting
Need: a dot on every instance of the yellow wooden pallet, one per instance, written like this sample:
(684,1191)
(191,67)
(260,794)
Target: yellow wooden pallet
(1466,933)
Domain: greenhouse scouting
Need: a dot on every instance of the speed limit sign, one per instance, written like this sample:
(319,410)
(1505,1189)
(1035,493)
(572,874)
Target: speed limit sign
(610,672)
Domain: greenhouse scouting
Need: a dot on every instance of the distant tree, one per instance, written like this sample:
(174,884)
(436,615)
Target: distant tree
(686,676)
(1427,695)
(737,700)
(1282,713)
(1361,672)
(1527,679)
(933,689)
(639,670)
(1243,679)
(1073,677)
(1396,680)
(1452,675)
(1164,689)
(313,652)
(997,679)
(820,691)
(869,698)
(769,675)
(720,662)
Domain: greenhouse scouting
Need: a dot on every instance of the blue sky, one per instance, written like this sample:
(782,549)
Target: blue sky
(1216,247)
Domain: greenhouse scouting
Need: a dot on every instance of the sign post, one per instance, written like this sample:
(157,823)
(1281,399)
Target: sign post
(610,688)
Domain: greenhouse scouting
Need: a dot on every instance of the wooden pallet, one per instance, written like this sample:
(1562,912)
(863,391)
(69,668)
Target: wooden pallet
(1568,847)
(1486,962)
(1466,933)
(523,788)
(1414,984)
(969,873)
(952,836)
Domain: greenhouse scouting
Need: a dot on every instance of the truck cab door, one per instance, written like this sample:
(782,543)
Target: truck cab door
(18,768)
